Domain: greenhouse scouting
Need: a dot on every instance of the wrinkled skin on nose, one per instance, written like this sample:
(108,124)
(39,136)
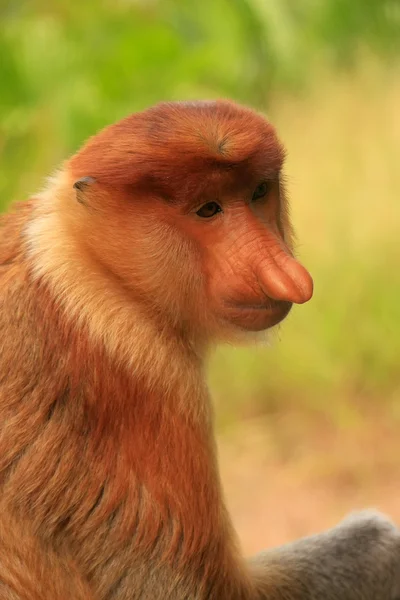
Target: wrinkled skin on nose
(280,276)
(256,277)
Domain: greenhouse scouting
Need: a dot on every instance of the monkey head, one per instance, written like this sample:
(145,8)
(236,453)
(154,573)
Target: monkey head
(183,205)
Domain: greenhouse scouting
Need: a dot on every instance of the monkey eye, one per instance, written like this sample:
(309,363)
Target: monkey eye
(260,191)
(209,210)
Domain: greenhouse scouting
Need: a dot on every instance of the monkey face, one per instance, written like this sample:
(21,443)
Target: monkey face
(242,236)
(190,215)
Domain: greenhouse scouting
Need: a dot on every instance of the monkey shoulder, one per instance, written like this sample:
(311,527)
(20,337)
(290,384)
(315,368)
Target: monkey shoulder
(12,226)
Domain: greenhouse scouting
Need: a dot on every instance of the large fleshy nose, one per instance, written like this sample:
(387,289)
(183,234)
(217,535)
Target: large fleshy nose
(282,277)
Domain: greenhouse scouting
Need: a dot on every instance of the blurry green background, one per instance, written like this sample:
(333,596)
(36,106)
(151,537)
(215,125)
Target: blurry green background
(327,72)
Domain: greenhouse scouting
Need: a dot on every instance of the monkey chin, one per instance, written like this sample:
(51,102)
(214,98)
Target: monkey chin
(250,318)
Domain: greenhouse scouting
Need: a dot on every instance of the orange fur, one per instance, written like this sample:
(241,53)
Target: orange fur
(107,310)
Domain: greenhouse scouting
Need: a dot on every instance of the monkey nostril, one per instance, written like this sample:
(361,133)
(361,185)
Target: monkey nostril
(283,290)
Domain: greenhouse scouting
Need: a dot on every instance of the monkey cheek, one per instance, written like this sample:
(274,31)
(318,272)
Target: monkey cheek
(254,319)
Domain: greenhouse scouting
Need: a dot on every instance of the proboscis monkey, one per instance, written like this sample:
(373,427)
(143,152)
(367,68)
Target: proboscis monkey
(167,232)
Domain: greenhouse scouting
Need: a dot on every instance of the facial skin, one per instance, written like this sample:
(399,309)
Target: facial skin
(250,275)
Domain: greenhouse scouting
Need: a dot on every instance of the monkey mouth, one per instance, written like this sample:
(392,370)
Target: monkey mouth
(256,316)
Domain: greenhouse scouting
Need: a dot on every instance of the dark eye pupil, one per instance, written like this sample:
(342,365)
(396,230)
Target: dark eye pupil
(209,210)
(260,191)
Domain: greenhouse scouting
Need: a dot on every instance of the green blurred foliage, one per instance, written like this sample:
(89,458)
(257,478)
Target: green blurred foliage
(67,68)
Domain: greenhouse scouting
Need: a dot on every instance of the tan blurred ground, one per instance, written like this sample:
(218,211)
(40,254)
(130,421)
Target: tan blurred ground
(288,476)
(329,387)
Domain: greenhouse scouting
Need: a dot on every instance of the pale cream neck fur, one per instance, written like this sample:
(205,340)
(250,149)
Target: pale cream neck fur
(90,298)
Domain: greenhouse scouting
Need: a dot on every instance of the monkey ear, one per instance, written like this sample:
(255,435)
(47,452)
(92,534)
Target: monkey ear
(81,186)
